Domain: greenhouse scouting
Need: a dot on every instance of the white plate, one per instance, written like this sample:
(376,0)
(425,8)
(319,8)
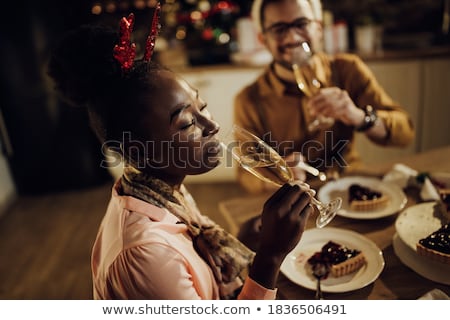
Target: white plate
(339,188)
(417,222)
(432,270)
(295,269)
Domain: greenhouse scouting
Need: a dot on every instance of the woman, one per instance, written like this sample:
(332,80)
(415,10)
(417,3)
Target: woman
(153,242)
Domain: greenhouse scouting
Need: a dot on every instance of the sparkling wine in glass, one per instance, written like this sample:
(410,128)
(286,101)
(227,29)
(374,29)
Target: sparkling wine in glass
(261,160)
(301,63)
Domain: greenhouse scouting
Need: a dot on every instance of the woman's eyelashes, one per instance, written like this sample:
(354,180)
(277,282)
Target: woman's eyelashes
(193,121)
(203,107)
(190,124)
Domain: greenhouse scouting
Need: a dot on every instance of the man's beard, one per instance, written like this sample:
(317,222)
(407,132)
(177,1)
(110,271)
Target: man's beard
(282,50)
(284,64)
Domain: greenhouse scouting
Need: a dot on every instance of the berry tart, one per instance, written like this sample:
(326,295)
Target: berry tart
(338,259)
(362,198)
(436,246)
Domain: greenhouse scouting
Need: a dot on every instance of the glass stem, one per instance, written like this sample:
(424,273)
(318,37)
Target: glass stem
(316,202)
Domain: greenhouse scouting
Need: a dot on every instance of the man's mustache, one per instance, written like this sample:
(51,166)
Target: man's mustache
(289,46)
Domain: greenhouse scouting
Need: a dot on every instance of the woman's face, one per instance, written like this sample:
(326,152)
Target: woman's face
(180,135)
(286,25)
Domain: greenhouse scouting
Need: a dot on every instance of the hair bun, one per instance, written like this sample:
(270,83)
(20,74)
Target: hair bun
(83,66)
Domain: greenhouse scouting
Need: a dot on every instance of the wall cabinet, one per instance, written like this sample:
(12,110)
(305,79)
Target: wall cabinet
(402,80)
(435,119)
(422,87)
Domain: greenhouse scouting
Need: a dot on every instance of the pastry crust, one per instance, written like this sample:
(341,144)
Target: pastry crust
(362,198)
(338,259)
(369,205)
(436,246)
(432,254)
(348,266)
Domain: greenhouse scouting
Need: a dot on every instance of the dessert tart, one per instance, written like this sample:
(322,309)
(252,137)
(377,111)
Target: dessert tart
(436,246)
(338,259)
(362,198)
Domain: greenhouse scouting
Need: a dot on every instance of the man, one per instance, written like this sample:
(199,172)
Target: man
(339,87)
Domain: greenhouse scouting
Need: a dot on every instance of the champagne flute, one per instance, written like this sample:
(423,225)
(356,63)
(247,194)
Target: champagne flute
(301,61)
(261,160)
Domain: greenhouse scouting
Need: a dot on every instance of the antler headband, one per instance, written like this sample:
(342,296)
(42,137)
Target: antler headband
(125,51)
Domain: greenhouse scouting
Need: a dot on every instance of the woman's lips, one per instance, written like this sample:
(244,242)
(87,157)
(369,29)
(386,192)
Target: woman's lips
(213,147)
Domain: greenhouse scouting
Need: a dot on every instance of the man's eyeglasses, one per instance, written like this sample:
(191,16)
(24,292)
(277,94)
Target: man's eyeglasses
(279,30)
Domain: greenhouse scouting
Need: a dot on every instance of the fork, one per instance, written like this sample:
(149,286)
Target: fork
(319,272)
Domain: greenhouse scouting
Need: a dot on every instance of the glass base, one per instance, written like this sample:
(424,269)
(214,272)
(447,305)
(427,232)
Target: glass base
(328,212)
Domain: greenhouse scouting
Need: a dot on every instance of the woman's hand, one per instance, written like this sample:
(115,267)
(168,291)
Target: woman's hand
(284,219)
(335,103)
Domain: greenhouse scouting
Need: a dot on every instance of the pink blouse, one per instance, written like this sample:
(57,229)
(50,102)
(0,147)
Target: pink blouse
(142,253)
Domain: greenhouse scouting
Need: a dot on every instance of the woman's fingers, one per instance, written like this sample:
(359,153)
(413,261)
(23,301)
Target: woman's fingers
(292,201)
(277,195)
(282,201)
(302,208)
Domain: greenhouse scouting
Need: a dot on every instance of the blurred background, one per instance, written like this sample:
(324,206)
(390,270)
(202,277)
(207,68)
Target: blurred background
(48,146)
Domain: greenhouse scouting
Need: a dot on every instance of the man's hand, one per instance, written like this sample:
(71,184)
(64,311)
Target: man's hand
(336,103)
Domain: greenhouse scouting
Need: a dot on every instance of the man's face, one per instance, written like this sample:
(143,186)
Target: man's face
(286,25)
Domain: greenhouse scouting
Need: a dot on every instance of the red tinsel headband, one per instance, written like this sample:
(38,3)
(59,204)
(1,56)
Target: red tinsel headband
(125,51)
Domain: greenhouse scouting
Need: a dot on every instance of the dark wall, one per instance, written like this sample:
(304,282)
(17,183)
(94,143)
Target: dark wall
(53,147)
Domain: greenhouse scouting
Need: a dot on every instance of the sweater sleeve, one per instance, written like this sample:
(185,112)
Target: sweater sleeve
(364,89)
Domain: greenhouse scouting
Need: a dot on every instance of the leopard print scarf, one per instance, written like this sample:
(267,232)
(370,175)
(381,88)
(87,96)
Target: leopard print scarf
(228,258)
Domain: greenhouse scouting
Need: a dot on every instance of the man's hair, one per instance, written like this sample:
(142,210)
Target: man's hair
(258,7)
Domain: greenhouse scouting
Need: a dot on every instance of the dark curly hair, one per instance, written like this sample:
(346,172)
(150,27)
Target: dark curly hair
(87,75)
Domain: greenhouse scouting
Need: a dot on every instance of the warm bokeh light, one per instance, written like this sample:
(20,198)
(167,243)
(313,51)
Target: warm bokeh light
(204,6)
(152,3)
(224,38)
(223,5)
(196,15)
(96,9)
(171,19)
(139,4)
(180,34)
(208,34)
(110,7)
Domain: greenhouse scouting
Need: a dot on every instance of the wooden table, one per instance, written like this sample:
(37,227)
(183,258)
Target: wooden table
(396,281)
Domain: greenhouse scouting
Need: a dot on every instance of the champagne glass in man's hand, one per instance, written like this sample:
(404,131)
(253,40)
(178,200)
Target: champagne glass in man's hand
(301,61)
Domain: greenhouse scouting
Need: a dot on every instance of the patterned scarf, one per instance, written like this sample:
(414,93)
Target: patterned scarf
(228,258)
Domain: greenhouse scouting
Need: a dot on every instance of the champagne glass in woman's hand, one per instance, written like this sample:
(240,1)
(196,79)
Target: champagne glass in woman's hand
(301,60)
(261,160)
